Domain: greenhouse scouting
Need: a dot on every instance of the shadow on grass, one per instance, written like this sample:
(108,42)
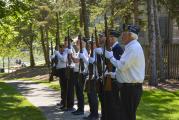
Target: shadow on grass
(159,104)
(15,107)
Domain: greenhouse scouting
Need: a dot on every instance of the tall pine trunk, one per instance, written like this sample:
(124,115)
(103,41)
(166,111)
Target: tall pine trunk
(47,47)
(136,12)
(85,18)
(43,44)
(152,35)
(57,30)
(159,42)
(32,61)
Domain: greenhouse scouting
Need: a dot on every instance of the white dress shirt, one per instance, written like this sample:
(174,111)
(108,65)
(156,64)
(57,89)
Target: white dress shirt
(131,66)
(85,60)
(62,60)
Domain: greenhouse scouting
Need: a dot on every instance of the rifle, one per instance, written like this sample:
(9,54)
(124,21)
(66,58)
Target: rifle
(69,47)
(90,68)
(51,73)
(98,63)
(109,66)
(68,69)
(81,65)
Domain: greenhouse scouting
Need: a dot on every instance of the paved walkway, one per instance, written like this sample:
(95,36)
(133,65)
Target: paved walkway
(44,98)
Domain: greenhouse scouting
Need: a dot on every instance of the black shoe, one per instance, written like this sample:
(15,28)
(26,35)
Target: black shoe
(60,104)
(62,107)
(90,117)
(68,109)
(94,118)
(78,112)
(87,117)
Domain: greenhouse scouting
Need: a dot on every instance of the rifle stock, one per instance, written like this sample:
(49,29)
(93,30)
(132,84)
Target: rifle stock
(90,68)
(107,79)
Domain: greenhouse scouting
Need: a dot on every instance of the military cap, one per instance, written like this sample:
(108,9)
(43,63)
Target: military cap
(134,29)
(114,33)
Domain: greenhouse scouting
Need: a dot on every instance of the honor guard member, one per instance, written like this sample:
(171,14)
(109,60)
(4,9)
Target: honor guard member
(99,65)
(79,76)
(61,66)
(112,97)
(54,62)
(130,72)
(91,92)
(69,77)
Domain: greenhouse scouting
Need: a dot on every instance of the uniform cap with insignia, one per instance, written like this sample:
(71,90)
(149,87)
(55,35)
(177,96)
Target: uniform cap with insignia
(134,29)
(114,33)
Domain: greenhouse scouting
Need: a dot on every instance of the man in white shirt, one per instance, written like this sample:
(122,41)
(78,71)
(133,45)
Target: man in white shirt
(130,72)
(78,72)
(61,66)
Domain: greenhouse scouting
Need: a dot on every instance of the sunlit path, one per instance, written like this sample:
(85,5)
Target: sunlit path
(44,98)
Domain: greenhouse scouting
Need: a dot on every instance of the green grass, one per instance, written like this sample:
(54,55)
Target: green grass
(156,104)
(13,106)
(159,105)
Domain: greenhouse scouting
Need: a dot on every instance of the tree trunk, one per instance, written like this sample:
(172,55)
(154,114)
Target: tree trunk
(136,12)
(159,42)
(85,18)
(57,30)
(32,61)
(153,80)
(112,13)
(3,63)
(8,68)
(43,45)
(47,48)
(81,18)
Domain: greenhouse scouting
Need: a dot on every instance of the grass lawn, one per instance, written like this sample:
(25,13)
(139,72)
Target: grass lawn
(13,106)
(156,104)
(159,105)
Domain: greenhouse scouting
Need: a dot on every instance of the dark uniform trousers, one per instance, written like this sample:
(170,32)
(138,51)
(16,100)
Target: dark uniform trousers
(130,96)
(62,79)
(93,99)
(67,87)
(112,103)
(101,97)
(79,90)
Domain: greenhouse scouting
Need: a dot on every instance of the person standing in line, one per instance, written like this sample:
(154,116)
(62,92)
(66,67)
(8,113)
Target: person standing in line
(130,72)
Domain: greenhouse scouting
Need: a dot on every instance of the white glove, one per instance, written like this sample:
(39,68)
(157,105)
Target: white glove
(56,52)
(70,51)
(91,60)
(81,56)
(99,51)
(112,74)
(108,54)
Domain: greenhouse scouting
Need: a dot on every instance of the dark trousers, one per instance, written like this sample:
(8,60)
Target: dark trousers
(79,91)
(67,87)
(93,99)
(112,104)
(101,97)
(62,79)
(130,96)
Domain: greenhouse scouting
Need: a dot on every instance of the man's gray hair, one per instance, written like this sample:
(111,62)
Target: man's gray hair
(134,36)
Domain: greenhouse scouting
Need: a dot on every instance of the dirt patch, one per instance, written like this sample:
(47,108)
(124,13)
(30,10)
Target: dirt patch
(39,72)
(169,84)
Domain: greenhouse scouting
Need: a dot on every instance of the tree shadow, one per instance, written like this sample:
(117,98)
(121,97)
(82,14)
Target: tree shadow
(13,106)
(159,104)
